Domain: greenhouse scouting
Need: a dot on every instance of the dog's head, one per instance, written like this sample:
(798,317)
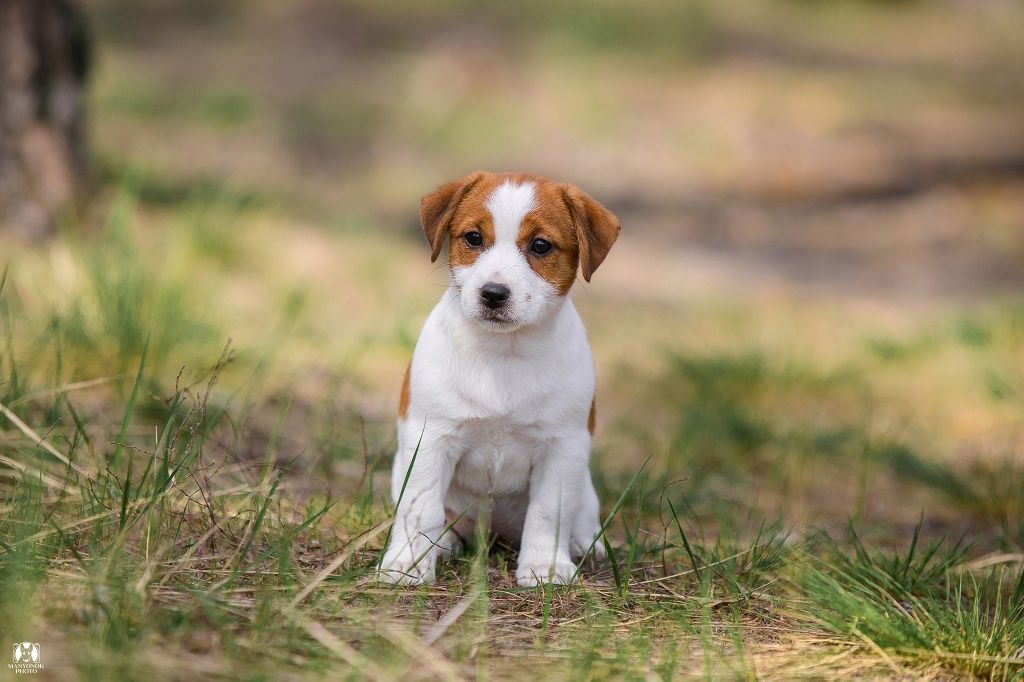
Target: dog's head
(515,243)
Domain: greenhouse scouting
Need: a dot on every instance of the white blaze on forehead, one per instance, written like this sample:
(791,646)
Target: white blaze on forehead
(508,205)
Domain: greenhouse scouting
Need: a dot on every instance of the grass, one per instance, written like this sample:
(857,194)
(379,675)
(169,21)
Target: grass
(173,506)
(198,381)
(923,612)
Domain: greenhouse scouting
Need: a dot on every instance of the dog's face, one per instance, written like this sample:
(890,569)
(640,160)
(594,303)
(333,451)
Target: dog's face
(515,243)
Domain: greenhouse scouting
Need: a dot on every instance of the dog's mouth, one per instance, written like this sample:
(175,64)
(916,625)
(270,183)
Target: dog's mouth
(497,319)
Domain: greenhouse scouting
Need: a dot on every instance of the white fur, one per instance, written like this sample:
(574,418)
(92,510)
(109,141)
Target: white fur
(508,205)
(532,297)
(497,419)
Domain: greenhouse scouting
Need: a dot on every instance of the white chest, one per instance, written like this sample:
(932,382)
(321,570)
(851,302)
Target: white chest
(497,403)
(461,374)
(496,456)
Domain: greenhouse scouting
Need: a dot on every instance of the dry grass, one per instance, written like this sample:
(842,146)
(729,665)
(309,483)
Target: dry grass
(223,515)
(811,334)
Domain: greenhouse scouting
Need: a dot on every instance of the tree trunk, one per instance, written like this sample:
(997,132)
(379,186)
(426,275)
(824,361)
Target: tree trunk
(44,55)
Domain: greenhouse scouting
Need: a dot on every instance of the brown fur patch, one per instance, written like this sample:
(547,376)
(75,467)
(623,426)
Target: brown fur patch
(580,229)
(472,217)
(403,400)
(438,209)
(592,419)
(596,227)
(552,222)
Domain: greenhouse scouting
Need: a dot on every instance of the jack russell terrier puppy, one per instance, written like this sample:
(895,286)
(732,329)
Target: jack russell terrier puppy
(497,408)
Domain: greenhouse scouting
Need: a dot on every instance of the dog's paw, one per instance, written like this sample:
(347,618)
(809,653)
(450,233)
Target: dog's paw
(558,573)
(398,570)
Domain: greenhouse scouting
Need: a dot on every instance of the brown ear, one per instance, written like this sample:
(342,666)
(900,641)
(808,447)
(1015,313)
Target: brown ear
(437,209)
(596,228)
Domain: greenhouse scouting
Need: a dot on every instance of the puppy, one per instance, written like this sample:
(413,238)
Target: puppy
(497,408)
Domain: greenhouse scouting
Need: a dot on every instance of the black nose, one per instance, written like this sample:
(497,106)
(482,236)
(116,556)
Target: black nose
(494,294)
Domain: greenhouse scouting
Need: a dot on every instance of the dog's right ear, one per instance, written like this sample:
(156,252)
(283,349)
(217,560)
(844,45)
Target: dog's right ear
(597,228)
(437,209)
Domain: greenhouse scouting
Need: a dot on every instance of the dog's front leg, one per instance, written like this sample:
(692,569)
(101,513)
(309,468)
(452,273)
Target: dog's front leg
(555,489)
(419,518)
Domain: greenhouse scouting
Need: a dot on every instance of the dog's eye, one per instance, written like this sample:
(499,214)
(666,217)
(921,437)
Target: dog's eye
(473,238)
(540,246)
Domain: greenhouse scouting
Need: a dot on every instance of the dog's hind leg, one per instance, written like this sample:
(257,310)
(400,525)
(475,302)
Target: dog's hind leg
(587,524)
(459,529)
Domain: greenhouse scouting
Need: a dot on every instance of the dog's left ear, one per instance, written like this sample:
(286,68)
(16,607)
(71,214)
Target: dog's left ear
(597,228)
(437,209)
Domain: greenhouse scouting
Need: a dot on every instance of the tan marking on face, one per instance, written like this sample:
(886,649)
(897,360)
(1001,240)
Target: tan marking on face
(580,229)
(437,209)
(552,222)
(472,216)
(592,419)
(403,400)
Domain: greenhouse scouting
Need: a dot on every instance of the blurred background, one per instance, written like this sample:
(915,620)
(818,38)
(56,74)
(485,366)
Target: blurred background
(813,317)
(869,148)
(822,207)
